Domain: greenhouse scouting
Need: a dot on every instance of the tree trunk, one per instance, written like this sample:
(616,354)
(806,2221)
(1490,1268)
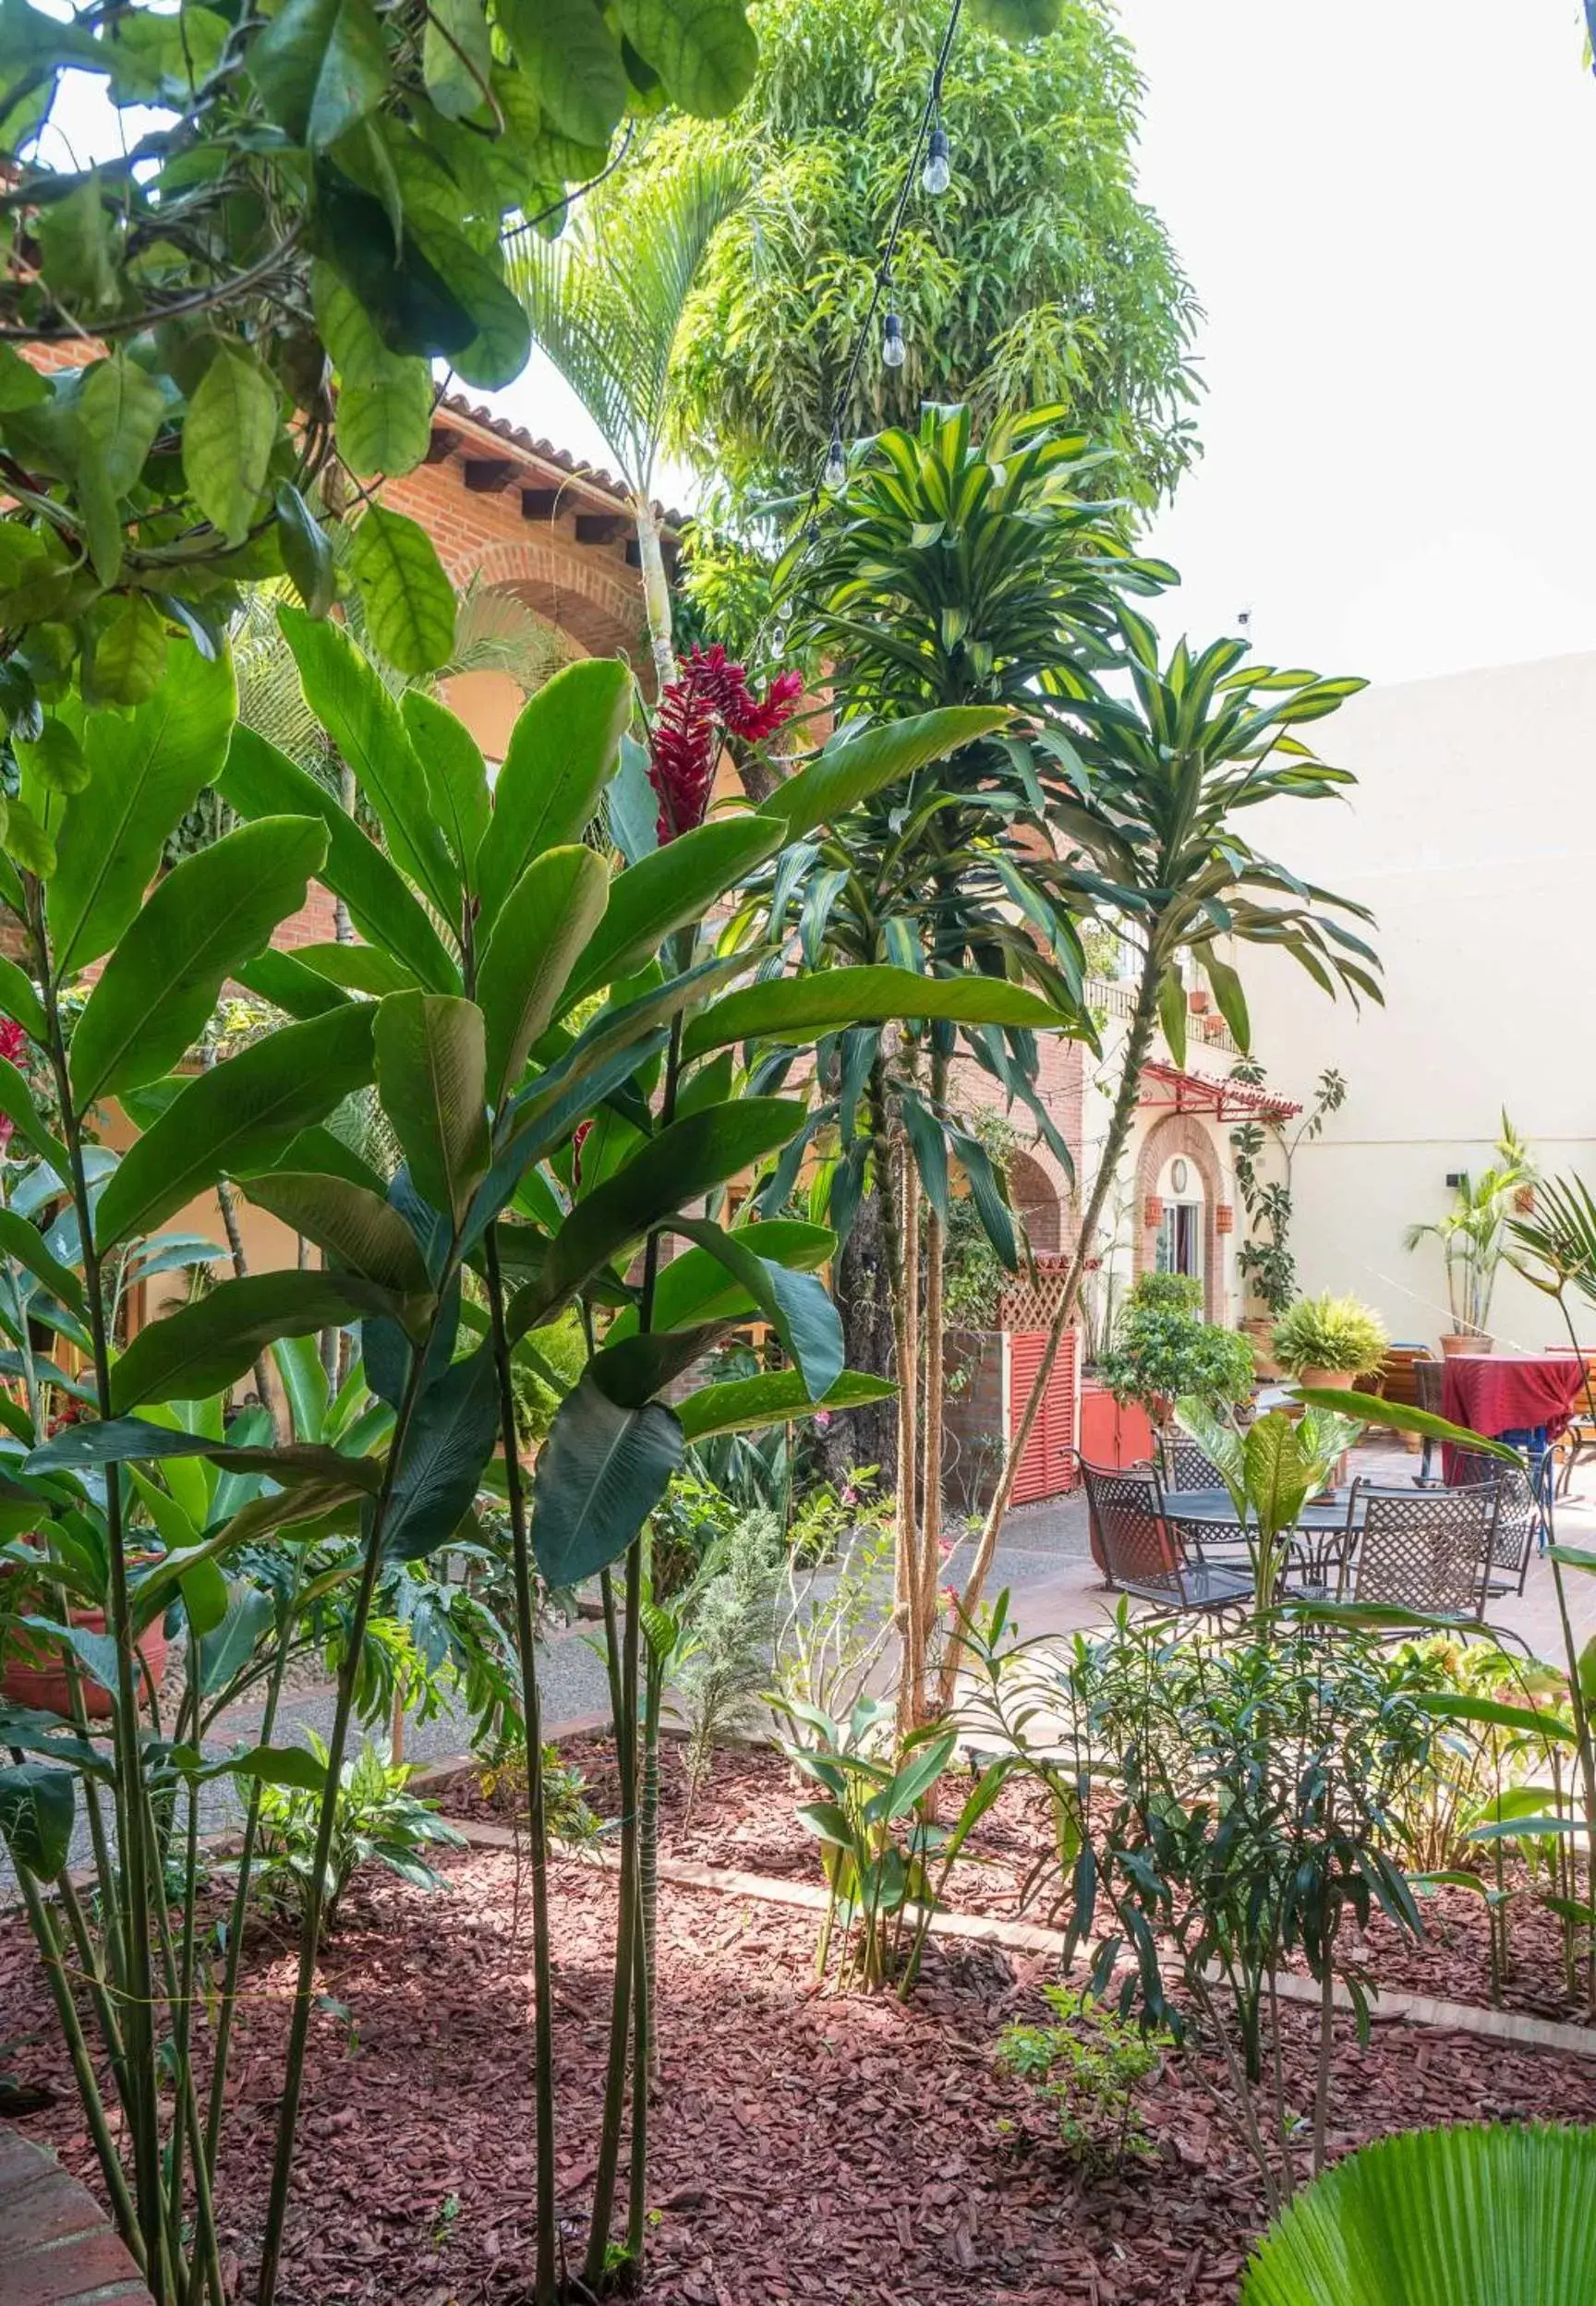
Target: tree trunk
(931,1427)
(655,592)
(866,1436)
(1139,1041)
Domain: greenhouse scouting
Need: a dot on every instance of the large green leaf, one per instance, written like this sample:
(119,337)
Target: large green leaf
(431,1072)
(547,920)
(1372,1409)
(37,1808)
(744,1403)
(120,410)
(363,719)
(798,1306)
(600,1474)
(698,1287)
(145,771)
(261,781)
(830,999)
(321,67)
(666,891)
(208,1344)
(409,601)
(456,777)
(228,437)
(238,1118)
(1478,2215)
(671,1171)
(851,771)
(561,753)
(161,983)
(23,1242)
(456,57)
(703,49)
(16,1104)
(573,61)
(450,1440)
(365,1234)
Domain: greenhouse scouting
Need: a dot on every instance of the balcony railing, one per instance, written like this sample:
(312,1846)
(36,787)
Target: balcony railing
(1208,1031)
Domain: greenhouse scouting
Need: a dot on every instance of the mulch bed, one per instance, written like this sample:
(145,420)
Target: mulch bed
(809,2148)
(743,1820)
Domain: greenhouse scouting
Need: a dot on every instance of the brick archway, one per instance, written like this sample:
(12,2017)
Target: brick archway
(1035,1198)
(1179,1133)
(597,607)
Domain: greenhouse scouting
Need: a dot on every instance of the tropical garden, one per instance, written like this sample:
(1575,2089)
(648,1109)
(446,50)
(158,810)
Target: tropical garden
(634,1149)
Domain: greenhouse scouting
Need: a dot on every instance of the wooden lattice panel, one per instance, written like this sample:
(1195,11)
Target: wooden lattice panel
(1035,1295)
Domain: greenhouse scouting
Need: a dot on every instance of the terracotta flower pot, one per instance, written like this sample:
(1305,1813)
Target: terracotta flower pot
(1344,1381)
(1259,1330)
(34,1672)
(1466,1341)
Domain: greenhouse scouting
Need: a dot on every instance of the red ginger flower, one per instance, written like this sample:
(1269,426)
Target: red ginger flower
(13,1047)
(708,700)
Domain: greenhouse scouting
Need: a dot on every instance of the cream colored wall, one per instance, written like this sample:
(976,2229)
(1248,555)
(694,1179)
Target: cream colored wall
(1471,834)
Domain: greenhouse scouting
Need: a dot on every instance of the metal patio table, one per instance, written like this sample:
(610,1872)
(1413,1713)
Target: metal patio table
(1315,1537)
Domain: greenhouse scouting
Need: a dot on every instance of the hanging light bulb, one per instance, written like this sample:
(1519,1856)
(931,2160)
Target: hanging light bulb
(937,176)
(892,342)
(836,472)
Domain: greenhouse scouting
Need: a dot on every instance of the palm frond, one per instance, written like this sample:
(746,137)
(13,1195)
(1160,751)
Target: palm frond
(606,299)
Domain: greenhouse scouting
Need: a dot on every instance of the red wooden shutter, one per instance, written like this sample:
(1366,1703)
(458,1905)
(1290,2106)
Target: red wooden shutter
(1045,1469)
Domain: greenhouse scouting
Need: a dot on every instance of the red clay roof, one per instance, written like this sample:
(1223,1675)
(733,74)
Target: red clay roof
(544,452)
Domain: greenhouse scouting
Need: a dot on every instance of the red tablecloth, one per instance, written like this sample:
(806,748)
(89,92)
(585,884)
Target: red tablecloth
(1510,1392)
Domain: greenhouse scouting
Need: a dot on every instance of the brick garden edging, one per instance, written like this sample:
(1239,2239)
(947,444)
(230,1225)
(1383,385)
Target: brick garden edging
(56,2246)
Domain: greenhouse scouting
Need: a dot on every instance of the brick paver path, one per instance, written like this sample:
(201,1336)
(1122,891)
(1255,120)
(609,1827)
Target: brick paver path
(56,2248)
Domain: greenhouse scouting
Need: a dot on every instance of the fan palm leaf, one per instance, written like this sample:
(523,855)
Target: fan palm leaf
(1473,2216)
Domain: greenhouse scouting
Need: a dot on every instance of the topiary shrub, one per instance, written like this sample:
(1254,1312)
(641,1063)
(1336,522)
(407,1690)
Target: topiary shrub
(1163,1349)
(1339,1334)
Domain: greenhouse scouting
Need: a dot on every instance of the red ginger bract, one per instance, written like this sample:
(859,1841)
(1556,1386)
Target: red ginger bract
(707,702)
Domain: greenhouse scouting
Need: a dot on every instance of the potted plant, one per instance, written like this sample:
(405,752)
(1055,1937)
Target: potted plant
(1473,1238)
(1328,1340)
(1163,1349)
(33,1668)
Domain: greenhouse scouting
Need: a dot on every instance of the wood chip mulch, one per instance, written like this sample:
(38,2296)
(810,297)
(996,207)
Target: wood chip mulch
(810,2149)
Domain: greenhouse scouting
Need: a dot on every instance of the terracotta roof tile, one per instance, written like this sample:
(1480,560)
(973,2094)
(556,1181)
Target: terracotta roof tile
(515,436)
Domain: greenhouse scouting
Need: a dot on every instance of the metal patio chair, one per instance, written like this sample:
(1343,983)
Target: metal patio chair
(1183,1464)
(1424,1549)
(1138,1547)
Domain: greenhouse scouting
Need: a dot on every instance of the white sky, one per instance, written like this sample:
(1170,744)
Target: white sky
(1387,208)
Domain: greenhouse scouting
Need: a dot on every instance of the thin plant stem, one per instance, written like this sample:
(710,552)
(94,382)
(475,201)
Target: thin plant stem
(538,1818)
(309,1946)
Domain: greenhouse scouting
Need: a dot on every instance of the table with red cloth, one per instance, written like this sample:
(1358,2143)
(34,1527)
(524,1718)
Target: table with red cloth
(1510,1392)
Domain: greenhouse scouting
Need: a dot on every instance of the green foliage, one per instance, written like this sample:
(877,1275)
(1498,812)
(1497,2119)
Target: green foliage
(1087,2065)
(1162,1349)
(571,1822)
(1264,1259)
(1330,1333)
(1473,1234)
(1038,278)
(1440,2218)
(327,184)
(720,1662)
(377,1821)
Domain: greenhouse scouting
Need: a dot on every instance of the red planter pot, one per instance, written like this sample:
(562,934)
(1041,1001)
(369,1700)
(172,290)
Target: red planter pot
(35,1669)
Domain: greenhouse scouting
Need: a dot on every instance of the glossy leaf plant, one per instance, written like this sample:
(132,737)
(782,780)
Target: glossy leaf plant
(516,991)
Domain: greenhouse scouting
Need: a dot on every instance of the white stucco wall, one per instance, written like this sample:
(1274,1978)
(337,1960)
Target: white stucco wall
(1472,834)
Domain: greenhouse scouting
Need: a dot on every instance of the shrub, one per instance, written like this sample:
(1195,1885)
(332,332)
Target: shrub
(1330,1333)
(1164,1348)
(1087,2066)
(378,1822)
(722,1652)
(570,1820)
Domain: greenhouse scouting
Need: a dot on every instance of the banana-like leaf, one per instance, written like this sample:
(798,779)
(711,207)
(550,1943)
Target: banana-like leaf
(23,1242)
(1369,1409)
(366,1235)
(798,1306)
(698,1287)
(207,1345)
(262,782)
(744,1404)
(665,891)
(828,999)
(561,753)
(38,1806)
(238,1118)
(850,771)
(431,1074)
(682,1163)
(1473,2216)
(161,983)
(447,1446)
(544,924)
(601,1473)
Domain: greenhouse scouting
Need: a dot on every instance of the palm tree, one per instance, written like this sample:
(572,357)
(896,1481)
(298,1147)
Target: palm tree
(1144,794)
(605,302)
